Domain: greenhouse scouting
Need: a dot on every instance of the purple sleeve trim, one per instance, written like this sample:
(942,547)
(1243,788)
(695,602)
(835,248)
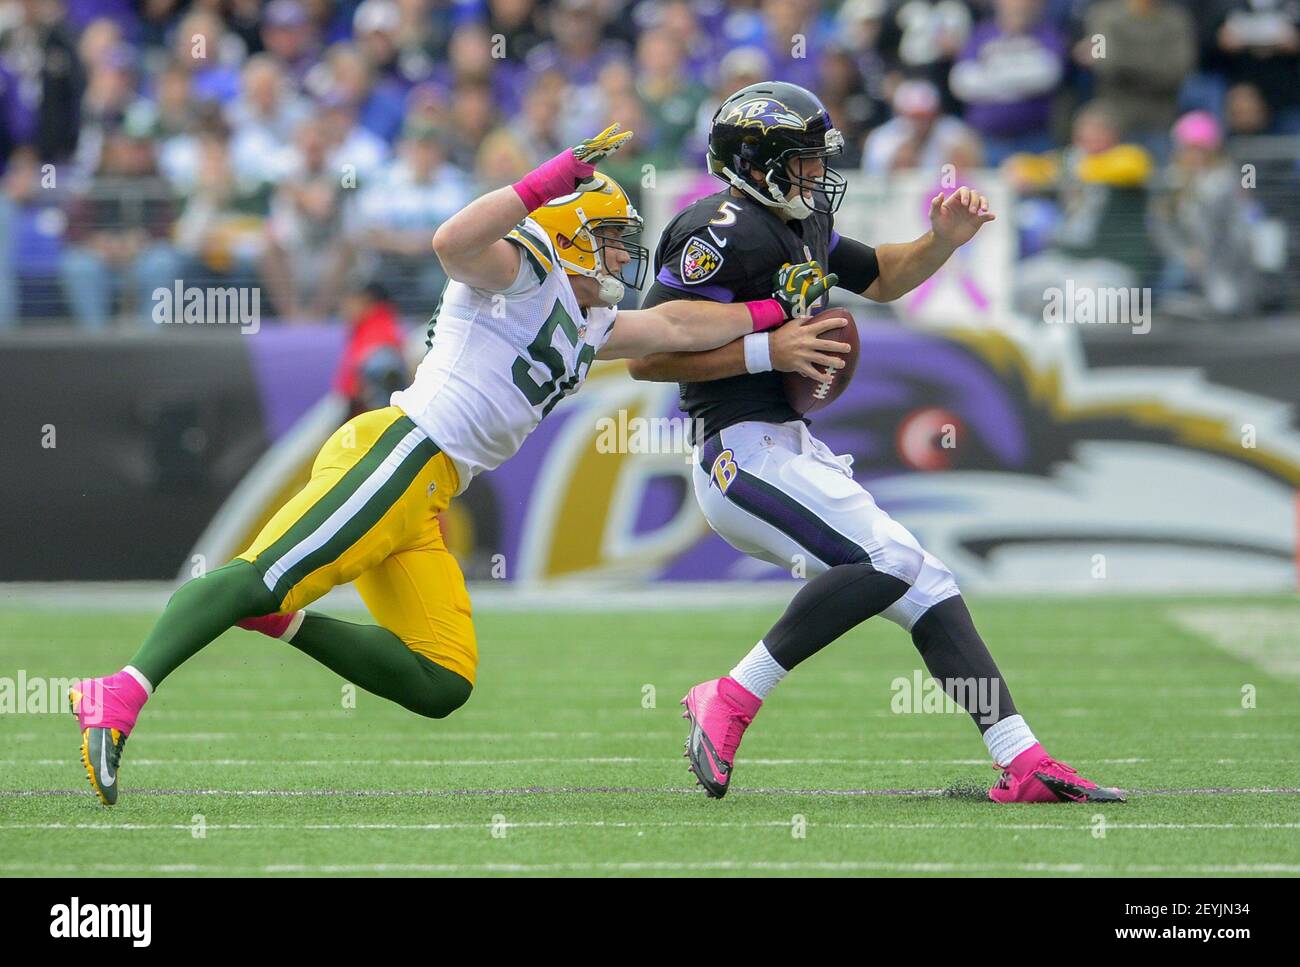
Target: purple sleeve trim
(714,293)
(835,240)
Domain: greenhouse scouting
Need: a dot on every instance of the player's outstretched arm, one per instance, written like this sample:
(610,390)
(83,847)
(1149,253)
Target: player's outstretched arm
(471,244)
(795,347)
(954,221)
(686,327)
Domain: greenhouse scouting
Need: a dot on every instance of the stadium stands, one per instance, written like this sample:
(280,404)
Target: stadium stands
(309,148)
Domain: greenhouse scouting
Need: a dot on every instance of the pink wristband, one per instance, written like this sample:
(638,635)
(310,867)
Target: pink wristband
(554,178)
(766,314)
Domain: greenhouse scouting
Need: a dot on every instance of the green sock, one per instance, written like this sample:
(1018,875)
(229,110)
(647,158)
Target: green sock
(378,661)
(197,613)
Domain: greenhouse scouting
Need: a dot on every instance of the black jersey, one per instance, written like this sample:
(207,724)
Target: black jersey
(726,248)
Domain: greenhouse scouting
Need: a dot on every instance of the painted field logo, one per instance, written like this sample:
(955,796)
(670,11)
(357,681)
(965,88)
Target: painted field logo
(214,305)
(105,921)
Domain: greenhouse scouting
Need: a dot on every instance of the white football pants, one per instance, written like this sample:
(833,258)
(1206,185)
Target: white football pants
(775,492)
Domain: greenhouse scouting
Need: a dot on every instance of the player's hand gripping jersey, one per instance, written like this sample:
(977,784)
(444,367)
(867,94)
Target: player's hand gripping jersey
(499,361)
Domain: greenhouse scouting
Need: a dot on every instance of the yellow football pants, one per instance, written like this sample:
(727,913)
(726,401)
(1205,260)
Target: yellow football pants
(369,514)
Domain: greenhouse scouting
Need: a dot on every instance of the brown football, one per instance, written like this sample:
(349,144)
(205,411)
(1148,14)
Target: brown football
(806,395)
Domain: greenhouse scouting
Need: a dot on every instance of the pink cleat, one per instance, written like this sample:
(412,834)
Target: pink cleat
(282,626)
(1034,776)
(719,712)
(106,710)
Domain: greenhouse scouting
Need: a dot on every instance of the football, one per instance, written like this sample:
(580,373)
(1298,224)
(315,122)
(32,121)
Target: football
(806,395)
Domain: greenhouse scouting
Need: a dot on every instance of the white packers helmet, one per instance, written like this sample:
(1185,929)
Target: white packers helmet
(584,224)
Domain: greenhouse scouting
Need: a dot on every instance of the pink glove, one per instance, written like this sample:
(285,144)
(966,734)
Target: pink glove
(559,176)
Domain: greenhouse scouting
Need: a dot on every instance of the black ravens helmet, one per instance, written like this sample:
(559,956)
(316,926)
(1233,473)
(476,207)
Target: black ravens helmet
(762,128)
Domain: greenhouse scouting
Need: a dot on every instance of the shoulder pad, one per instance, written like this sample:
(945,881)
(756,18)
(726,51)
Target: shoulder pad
(535,245)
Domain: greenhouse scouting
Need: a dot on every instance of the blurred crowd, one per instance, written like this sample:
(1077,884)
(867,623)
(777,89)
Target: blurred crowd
(311,147)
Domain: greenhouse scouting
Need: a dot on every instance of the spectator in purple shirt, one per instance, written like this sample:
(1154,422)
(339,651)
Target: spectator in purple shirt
(516,21)
(80,13)
(38,48)
(698,27)
(380,105)
(471,58)
(289,35)
(1006,78)
(578,50)
(792,41)
(200,45)
(16,118)
(394,47)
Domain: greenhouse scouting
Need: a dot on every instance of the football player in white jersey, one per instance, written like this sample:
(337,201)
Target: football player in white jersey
(530,305)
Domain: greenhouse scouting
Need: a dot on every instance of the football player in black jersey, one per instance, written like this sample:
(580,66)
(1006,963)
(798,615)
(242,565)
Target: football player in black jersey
(773,490)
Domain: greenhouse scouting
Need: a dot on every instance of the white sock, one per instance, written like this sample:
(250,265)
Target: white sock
(1008,738)
(139,677)
(294,625)
(758,671)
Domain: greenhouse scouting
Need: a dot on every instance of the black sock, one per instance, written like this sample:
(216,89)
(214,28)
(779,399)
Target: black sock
(959,661)
(826,607)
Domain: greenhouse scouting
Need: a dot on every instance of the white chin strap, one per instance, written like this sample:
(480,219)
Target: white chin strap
(611,286)
(795,207)
(611,290)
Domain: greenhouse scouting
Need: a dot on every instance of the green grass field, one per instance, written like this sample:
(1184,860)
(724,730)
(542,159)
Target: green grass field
(557,767)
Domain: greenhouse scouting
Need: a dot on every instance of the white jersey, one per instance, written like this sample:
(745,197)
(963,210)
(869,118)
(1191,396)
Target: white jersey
(499,361)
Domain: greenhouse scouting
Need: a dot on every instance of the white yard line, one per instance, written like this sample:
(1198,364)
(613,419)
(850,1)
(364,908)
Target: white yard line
(622,760)
(503,596)
(561,760)
(526,791)
(498,596)
(615,824)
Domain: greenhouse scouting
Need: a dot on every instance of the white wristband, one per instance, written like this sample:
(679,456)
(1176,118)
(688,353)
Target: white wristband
(758,353)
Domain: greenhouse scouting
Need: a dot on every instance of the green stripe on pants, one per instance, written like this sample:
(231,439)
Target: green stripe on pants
(369,514)
(336,496)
